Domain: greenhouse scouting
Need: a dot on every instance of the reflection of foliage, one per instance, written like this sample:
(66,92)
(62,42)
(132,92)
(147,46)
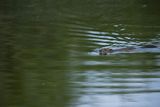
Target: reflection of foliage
(33,54)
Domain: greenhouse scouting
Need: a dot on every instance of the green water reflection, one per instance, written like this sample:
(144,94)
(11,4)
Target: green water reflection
(45,58)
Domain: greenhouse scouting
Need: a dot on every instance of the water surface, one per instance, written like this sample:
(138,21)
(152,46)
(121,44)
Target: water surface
(46,55)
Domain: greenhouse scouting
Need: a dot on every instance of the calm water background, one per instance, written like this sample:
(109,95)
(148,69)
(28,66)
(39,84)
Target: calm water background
(46,60)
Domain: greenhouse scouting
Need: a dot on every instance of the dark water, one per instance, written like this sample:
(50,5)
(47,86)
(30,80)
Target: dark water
(46,55)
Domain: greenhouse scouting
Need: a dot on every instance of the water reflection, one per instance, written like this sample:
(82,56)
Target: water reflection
(115,80)
(46,60)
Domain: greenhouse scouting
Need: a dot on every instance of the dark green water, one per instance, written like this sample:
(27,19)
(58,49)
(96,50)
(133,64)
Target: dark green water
(46,60)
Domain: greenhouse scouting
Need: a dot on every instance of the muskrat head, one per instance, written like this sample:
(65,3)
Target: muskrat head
(105,51)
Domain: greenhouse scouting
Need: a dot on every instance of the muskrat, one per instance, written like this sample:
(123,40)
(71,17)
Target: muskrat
(106,51)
